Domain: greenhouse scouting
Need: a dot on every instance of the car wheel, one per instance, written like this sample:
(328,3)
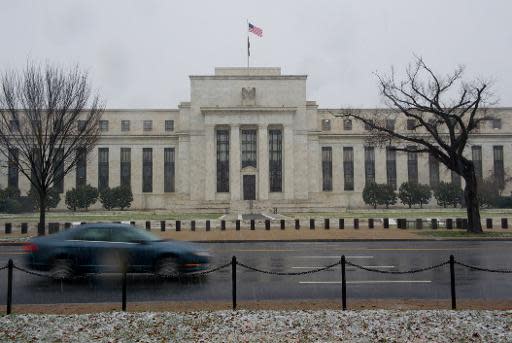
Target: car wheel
(167,267)
(61,269)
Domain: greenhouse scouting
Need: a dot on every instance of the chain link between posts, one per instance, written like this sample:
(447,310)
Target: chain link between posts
(411,271)
(4,267)
(502,271)
(283,273)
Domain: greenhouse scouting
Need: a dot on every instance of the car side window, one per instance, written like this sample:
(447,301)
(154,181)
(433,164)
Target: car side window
(93,234)
(125,235)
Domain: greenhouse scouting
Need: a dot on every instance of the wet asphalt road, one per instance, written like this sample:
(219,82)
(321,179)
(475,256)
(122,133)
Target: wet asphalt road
(293,257)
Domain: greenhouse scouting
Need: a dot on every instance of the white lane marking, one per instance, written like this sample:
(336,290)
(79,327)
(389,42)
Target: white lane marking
(316,267)
(366,281)
(338,257)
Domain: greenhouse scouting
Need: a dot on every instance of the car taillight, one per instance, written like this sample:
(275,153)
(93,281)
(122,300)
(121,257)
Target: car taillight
(30,247)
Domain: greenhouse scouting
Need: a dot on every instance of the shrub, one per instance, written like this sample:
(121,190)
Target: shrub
(52,199)
(371,194)
(504,202)
(124,196)
(379,194)
(387,195)
(448,194)
(81,197)
(488,193)
(411,193)
(12,202)
(107,198)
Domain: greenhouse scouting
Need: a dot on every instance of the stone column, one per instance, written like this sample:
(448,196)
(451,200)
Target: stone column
(210,181)
(234,162)
(288,167)
(263,176)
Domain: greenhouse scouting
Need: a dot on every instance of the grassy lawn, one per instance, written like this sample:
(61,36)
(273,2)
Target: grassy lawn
(464,234)
(107,216)
(401,213)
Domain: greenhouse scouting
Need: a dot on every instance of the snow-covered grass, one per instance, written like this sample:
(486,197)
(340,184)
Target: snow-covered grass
(263,326)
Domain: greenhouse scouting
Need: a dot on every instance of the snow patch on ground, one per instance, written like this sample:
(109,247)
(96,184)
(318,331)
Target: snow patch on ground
(262,326)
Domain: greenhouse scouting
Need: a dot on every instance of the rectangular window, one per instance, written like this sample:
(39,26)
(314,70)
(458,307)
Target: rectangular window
(126,167)
(148,125)
(348,168)
(58,171)
(147,170)
(125,125)
(81,125)
(412,164)
(433,168)
(476,156)
(369,164)
(391,166)
(411,124)
(169,170)
(347,124)
(327,168)
(103,125)
(12,169)
(390,124)
(499,171)
(14,125)
(249,148)
(222,161)
(169,125)
(102,168)
(326,125)
(496,123)
(81,167)
(275,149)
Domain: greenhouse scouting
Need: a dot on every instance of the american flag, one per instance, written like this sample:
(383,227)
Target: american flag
(256,30)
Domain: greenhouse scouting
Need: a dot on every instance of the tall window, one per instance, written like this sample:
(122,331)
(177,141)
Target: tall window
(169,170)
(433,168)
(499,171)
(126,167)
(81,167)
(275,149)
(326,125)
(476,156)
(412,164)
(125,125)
(411,124)
(222,161)
(496,123)
(369,164)
(147,170)
(327,168)
(391,166)
(248,148)
(12,169)
(103,124)
(58,171)
(80,125)
(102,168)
(348,168)
(390,124)
(169,125)
(147,125)
(347,124)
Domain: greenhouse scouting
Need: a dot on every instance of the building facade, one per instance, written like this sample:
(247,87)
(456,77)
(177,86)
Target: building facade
(249,138)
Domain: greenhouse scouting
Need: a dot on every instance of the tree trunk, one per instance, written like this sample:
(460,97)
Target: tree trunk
(42,215)
(471,200)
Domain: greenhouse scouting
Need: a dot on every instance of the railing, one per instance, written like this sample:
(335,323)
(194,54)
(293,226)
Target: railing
(311,223)
(234,263)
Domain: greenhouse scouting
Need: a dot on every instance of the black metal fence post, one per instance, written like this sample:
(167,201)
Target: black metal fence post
(207,225)
(341,224)
(297,224)
(385,223)
(24,228)
(356,223)
(282,224)
(10,265)
(148,225)
(343,284)
(433,223)
(253,227)
(237,225)
(233,280)
(8,228)
(326,223)
(312,223)
(192,225)
(267,224)
(223,225)
(452,281)
(488,223)
(162,225)
(178,225)
(124,288)
(370,223)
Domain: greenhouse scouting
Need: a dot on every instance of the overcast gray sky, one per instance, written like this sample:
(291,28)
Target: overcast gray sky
(139,53)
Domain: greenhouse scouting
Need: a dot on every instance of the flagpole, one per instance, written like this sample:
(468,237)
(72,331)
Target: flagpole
(248,43)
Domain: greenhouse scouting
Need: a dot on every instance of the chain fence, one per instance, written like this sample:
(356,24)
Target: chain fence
(410,271)
(285,273)
(502,271)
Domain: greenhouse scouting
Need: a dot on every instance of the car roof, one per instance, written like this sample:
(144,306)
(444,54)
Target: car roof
(104,225)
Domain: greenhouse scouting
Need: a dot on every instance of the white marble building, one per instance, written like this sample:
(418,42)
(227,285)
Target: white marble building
(251,134)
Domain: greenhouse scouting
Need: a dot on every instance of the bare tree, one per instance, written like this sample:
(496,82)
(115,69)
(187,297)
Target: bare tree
(48,118)
(433,114)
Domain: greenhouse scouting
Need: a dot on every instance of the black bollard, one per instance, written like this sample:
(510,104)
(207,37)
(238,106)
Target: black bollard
(233,280)
(282,224)
(326,224)
(223,225)
(148,225)
(267,224)
(433,222)
(370,223)
(356,223)
(504,223)
(385,223)
(132,223)
(178,225)
(208,225)
(123,299)
(458,223)
(312,224)
(253,227)
(193,225)
(67,226)
(24,228)
(488,223)
(419,224)
(449,223)
(237,225)
(162,225)
(341,223)
(8,228)
(297,224)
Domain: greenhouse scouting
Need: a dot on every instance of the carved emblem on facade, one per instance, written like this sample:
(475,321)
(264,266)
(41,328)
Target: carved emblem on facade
(248,96)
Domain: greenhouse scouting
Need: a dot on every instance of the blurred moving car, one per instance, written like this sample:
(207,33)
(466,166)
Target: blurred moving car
(108,247)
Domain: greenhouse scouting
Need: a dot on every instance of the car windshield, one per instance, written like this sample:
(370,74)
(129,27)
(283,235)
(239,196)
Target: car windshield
(122,234)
